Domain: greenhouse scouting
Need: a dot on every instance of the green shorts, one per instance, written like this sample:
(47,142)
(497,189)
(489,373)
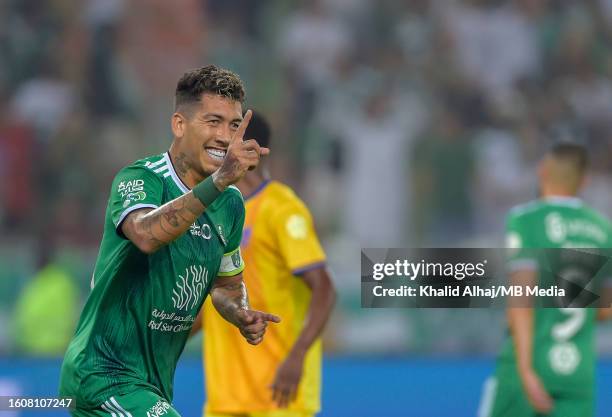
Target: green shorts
(506,398)
(135,404)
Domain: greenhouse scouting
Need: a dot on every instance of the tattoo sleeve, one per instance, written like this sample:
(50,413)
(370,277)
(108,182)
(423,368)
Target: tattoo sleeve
(229,296)
(156,228)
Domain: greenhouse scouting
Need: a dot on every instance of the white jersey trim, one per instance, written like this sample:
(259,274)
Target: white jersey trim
(156,163)
(131,209)
(563,200)
(107,407)
(237,189)
(121,409)
(160,169)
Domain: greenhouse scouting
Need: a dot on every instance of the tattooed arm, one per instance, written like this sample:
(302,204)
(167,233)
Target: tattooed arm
(229,296)
(151,229)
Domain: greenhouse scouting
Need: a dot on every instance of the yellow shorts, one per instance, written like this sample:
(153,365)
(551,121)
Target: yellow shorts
(274,413)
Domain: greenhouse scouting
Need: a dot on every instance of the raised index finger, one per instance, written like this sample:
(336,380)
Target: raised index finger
(239,133)
(270,317)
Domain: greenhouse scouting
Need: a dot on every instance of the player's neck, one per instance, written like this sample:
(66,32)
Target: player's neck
(558,193)
(183,168)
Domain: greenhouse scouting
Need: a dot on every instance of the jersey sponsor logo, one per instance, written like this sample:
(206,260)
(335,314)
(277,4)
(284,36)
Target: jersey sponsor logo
(130,191)
(204,231)
(131,186)
(559,230)
(140,195)
(556,229)
(159,409)
(189,287)
(170,322)
(296,226)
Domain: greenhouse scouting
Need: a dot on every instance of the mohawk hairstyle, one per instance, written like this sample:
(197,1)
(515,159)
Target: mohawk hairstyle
(209,79)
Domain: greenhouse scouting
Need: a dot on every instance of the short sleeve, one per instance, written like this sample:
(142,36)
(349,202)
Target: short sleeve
(232,263)
(519,247)
(297,238)
(134,188)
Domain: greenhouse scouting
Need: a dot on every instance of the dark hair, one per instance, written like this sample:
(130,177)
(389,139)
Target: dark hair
(209,79)
(574,153)
(258,129)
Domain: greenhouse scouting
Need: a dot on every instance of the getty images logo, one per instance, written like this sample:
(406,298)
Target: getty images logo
(189,286)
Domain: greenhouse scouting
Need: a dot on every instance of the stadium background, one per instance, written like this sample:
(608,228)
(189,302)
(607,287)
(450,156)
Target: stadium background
(400,123)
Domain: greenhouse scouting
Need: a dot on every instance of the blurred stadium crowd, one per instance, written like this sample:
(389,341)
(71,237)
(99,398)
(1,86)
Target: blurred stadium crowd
(401,123)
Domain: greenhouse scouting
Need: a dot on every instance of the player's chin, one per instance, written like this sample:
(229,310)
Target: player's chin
(210,164)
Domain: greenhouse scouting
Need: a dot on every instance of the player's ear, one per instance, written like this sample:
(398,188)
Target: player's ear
(178,123)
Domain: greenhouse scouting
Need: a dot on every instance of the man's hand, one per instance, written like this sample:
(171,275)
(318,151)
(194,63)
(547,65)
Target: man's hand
(229,296)
(287,380)
(521,323)
(537,395)
(241,156)
(252,324)
(289,373)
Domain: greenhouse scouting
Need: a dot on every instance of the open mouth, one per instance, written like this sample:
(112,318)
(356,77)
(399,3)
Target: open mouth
(216,154)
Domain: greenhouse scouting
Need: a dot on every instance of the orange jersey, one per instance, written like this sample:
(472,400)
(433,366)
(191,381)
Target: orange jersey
(278,243)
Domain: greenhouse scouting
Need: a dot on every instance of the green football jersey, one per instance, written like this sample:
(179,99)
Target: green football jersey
(141,308)
(563,339)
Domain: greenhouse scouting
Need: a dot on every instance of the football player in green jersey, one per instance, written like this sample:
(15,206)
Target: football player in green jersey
(547,365)
(171,236)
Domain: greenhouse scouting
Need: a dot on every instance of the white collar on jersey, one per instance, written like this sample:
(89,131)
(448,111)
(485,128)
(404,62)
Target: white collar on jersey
(177,180)
(563,200)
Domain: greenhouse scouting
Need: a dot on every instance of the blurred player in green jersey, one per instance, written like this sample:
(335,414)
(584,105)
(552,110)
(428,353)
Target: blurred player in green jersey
(547,365)
(171,236)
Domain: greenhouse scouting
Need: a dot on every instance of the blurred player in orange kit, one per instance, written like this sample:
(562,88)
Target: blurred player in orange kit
(286,273)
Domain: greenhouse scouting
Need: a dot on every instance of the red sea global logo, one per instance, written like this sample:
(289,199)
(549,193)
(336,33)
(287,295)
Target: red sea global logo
(189,287)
